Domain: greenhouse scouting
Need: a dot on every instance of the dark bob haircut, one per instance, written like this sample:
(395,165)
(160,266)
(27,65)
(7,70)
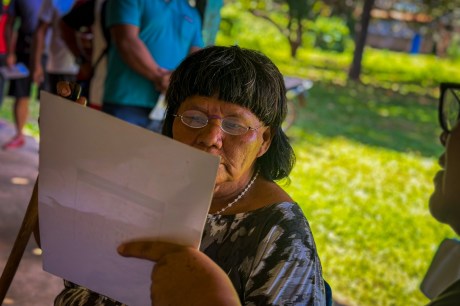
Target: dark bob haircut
(243,77)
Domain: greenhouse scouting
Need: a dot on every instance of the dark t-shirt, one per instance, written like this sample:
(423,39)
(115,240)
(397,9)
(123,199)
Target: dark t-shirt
(27,11)
(81,15)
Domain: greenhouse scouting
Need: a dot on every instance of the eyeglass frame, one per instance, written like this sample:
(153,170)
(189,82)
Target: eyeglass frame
(249,128)
(444,87)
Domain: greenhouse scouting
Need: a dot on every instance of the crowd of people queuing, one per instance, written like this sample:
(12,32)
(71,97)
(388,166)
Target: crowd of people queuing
(80,40)
(32,39)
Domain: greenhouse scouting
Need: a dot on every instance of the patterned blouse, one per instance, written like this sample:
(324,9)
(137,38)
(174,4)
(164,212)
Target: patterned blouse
(269,255)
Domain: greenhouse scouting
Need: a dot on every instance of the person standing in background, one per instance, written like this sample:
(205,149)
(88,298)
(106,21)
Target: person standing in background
(149,38)
(89,15)
(61,64)
(19,47)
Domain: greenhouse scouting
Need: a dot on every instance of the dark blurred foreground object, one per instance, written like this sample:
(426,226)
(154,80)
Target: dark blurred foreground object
(442,281)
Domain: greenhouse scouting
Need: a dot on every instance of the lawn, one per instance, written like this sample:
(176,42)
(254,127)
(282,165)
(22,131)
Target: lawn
(365,162)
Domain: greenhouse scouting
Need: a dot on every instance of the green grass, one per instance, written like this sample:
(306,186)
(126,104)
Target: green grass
(363,177)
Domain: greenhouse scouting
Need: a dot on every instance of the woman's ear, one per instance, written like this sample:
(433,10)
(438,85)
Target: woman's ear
(266,141)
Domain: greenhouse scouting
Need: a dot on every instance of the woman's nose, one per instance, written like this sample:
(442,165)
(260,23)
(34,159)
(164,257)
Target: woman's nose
(211,135)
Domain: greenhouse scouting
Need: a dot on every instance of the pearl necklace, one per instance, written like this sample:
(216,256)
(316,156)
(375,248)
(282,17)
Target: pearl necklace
(240,195)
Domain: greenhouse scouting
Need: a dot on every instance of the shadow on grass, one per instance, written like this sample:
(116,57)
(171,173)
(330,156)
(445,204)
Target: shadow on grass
(373,116)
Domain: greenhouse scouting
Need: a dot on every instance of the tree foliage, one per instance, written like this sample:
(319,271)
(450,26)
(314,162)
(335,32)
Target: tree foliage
(294,12)
(356,13)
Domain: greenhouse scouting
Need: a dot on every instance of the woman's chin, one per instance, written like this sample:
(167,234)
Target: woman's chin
(221,175)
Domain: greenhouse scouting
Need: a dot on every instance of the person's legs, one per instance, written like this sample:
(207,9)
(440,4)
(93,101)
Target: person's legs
(20,89)
(2,80)
(20,114)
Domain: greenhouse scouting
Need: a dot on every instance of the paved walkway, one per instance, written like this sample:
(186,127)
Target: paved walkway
(18,171)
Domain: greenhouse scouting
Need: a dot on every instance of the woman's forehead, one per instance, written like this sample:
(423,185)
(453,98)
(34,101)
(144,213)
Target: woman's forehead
(213,104)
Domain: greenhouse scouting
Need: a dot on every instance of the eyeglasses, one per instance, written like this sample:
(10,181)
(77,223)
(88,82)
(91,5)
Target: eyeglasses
(230,125)
(449,106)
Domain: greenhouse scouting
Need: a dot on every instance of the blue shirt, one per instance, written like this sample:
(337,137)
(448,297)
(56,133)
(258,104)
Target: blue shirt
(168,29)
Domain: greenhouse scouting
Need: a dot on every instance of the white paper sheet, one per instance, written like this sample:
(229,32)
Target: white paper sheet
(104,181)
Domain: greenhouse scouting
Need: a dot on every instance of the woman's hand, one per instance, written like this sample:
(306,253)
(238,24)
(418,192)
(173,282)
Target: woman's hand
(65,89)
(182,275)
(38,75)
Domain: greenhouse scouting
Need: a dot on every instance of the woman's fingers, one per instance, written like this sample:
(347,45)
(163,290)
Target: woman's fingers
(63,89)
(70,91)
(82,101)
(150,250)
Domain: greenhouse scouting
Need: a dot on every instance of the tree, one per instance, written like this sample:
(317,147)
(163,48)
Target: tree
(344,10)
(360,41)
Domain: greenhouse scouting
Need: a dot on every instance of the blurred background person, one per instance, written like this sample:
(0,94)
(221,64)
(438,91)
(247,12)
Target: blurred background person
(19,48)
(89,17)
(149,38)
(3,18)
(61,64)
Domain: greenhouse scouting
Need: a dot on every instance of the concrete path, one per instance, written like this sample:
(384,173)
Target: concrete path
(18,171)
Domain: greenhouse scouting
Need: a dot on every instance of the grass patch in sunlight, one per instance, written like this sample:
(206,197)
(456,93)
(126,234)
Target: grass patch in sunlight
(367,207)
(366,159)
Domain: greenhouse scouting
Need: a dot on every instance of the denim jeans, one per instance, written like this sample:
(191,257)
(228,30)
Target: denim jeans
(133,114)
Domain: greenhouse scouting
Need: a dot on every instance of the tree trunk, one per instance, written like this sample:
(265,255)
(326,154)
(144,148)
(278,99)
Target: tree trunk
(360,41)
(295,40)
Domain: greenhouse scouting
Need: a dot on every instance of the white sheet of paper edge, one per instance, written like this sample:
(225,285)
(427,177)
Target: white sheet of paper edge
(104,181)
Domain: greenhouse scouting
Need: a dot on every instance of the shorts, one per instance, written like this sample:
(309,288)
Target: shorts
(20,88)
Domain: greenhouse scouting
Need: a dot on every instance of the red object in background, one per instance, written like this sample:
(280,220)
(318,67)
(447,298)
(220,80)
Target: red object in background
(3,18)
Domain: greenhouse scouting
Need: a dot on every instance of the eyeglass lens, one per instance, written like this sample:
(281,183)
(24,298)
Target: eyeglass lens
(197,119)
(451,108)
